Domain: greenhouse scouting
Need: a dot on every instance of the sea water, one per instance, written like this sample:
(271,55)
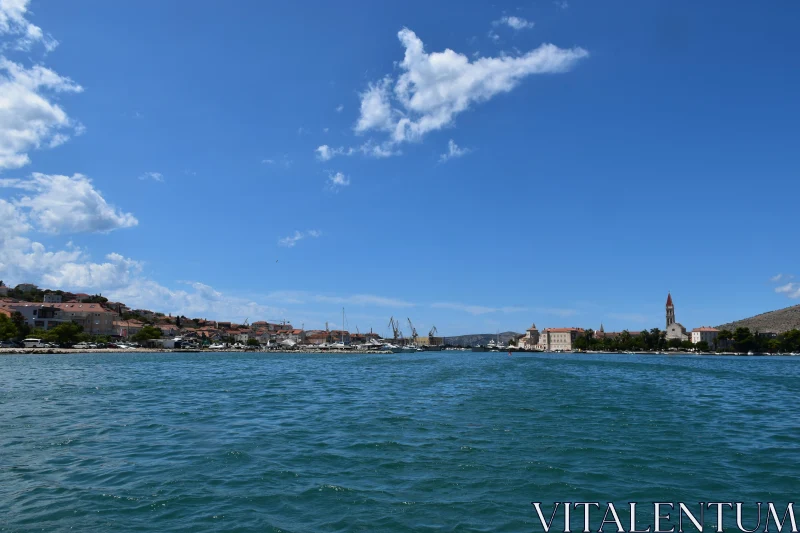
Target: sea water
(453,441)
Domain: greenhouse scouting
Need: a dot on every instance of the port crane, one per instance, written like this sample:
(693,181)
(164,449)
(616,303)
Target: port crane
(433,332)
(395,325)
(413,331)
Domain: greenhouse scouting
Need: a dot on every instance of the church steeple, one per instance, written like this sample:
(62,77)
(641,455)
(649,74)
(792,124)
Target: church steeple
(670,311)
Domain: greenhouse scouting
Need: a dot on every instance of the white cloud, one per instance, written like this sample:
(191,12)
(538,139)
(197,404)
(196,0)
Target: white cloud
(376,109)
(362,299)
(28,119)
(298,236)
(200,301)
(476,309)
(517,23)
(13,22)
(338,180)
(283,161)
(369,148)
(117,271)
(780,277)
(367,300)
(434,88)
(155,176)
(339,108)
(453,150)
(563,4)
(325,152)
(792,290)
(493,36)
(64,204)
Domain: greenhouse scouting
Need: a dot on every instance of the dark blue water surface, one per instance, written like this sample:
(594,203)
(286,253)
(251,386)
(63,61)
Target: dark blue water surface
(454,441)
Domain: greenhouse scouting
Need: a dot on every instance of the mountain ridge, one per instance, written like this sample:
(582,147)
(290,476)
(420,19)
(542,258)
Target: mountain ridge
(778,321)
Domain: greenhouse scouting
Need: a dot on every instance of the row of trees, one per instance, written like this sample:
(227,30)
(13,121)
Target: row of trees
(741,340)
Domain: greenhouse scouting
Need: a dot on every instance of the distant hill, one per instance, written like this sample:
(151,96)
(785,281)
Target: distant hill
(778,321)
(480,339)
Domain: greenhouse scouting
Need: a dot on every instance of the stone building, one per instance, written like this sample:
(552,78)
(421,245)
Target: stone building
(675,330)
(558,339)
(531,338)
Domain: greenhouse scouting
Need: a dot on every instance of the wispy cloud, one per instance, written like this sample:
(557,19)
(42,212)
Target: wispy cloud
(154,176)
(563,4)
(337,180)
(369,148)
(792,290)
(433,88)
(453,151)
(339,108)
(517,23)
(292,240)
(476,309)
(781,277)
(283,161)
(304,297)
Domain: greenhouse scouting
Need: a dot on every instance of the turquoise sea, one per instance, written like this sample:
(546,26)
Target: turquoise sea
(454,441)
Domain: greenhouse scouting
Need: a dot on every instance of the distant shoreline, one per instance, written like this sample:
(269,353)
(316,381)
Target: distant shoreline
(66,351)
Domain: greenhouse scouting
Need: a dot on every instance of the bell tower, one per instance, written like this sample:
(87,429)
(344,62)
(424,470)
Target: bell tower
(670,311)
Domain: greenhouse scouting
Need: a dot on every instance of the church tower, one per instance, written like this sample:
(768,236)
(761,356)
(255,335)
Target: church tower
(670,311)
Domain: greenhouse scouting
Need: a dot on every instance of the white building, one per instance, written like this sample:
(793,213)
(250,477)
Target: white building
(52,298)
(705,333)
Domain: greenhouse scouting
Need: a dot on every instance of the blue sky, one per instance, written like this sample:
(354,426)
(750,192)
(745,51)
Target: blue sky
(563,163)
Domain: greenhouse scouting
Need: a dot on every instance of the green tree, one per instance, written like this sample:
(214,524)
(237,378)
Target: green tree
(8,329)
(674,343)
(23,329)
(146,333)
(252,342)
(66,333)
(702,346)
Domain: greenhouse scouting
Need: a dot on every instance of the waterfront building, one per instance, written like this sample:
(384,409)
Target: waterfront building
(126,328)
(531,338)
(705,333)
(559,339)
(3,289)
(603,334)
(675,330)
(52,298)
(94,319)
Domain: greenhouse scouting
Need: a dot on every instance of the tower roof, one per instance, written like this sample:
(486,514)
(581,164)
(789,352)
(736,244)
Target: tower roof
(669,299)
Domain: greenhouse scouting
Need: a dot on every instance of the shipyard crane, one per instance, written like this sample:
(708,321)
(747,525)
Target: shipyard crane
(395,325)
(433,332)
(413,331)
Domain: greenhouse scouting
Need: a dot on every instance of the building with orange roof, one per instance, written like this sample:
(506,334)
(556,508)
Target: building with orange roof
(705,333)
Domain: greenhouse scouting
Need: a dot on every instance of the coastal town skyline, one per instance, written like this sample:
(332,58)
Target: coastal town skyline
(414,169)
(45,308)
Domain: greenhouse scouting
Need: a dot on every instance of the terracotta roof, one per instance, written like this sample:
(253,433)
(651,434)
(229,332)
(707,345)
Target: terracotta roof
(669,300)
(563,330)
(705,328)
(6,312)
